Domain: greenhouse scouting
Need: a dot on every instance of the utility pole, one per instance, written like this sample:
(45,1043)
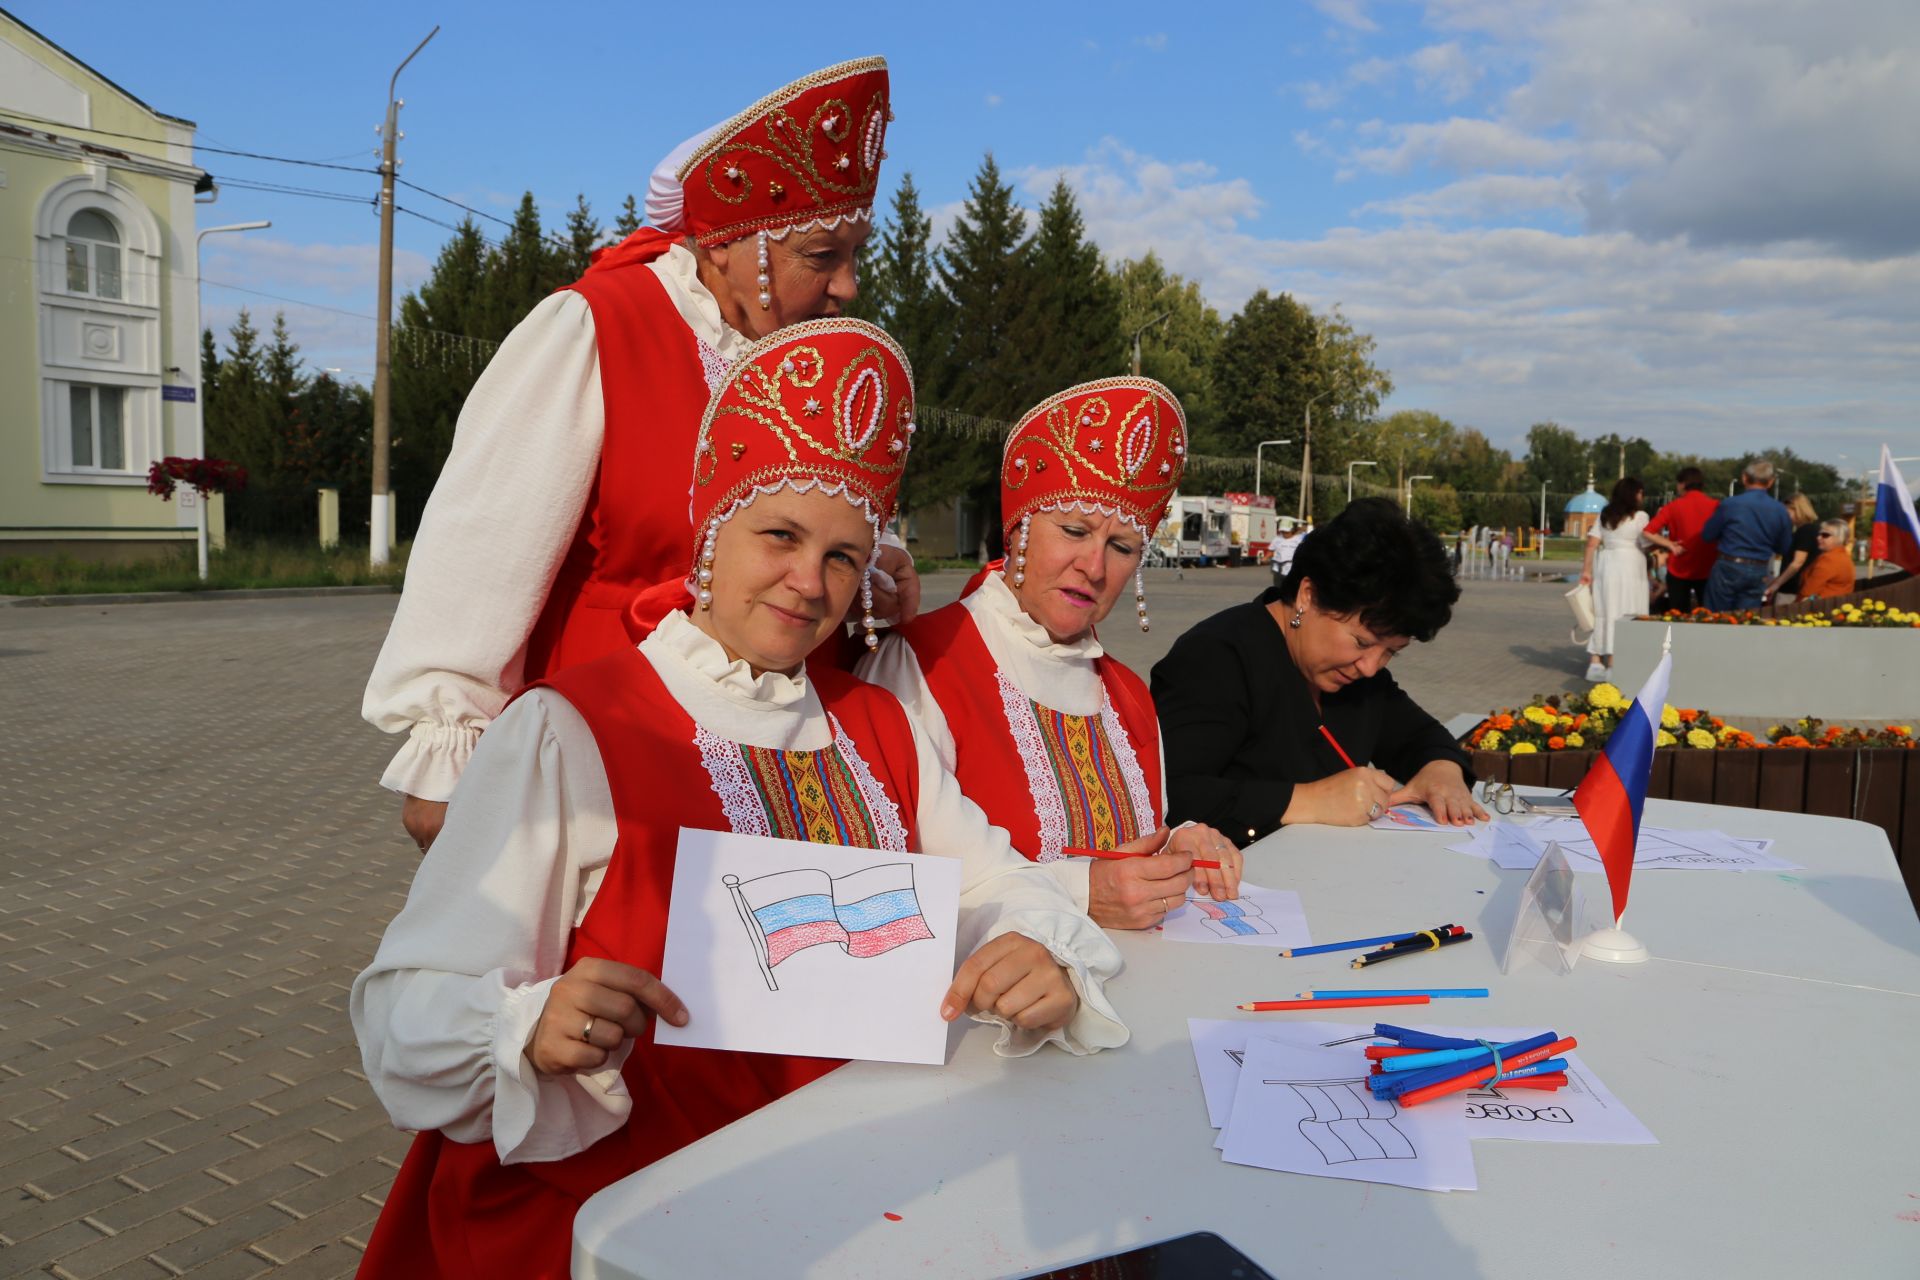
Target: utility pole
(382,530)
(1136,338)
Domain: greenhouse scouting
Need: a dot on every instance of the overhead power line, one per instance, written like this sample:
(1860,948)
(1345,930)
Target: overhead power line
(197,147)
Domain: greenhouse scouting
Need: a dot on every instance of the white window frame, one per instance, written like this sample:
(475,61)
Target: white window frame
(134,404)
(91,248)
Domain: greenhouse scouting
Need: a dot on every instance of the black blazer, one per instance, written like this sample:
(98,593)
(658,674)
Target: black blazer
(1238,724)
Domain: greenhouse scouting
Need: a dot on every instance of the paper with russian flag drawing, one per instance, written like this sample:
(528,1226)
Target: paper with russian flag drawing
(1611,798)
(1896,530)
(780,946)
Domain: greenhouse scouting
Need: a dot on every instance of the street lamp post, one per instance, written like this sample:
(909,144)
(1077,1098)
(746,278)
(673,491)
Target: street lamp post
(383,316)
(1410,480)
(1256,462)
(1164,315)
(1306,458)
(1350,467)
(199,372)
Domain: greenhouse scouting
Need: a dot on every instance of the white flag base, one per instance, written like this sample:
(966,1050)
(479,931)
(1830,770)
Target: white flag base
(1614,946)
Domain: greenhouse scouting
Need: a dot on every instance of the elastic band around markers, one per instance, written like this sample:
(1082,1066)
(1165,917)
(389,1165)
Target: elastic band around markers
(1432,938)
(1498,1073)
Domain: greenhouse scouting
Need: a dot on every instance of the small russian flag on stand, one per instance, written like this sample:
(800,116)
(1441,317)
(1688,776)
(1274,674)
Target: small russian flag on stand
(1614,792)
(1896,531)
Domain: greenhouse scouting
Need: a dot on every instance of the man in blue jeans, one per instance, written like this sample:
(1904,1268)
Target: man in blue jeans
(1750,528)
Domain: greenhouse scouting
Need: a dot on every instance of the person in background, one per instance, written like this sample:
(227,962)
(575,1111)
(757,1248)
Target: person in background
(1681,521)
(1254,699)
(1046,731)
(1460,549)
(1831,573)
(1750,529)
(565,490)
(1806,546)
(1286,546)
(1616,567)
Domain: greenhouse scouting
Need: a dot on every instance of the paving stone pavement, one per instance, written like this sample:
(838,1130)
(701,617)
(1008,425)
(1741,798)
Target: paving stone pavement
(195,860)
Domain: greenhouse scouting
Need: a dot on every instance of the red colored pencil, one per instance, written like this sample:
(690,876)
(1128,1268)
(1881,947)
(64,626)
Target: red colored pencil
(1334,743)
(1469,1079)
(1207,863)
(1358,1002)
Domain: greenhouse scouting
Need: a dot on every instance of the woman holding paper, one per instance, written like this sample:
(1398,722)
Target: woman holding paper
(1067,755)
(1281,711)
(506,1014)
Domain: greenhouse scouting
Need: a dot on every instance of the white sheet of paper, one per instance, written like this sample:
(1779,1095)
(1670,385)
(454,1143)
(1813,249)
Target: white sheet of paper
(1259,917)
(812,949)
(1516,847)
(1409,817)
(1220,1043)
(1584,1111)
(1308,1111)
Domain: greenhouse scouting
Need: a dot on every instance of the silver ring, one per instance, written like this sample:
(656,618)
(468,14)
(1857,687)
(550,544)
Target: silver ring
(1373,811)
(587,1035)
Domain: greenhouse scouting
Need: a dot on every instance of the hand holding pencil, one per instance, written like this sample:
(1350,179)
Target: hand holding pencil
(1138,888)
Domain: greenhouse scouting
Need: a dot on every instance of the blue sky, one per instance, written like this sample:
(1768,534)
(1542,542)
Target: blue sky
(1691,221)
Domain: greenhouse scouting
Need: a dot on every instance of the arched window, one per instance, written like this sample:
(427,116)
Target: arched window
(93,255)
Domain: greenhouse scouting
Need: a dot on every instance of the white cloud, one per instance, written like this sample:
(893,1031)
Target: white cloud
(1487,196)
(1700,348)
(1446,69)
(994,100)
(1462,144)
(1155,43)
(1348,13)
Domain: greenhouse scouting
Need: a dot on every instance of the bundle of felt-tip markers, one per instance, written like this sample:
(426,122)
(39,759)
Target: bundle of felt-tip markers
(1418,1067)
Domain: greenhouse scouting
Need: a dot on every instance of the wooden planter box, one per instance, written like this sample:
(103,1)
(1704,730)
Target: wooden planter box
(1880,785)
(1836,673)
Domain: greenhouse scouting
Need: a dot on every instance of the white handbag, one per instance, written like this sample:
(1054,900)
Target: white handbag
(1580,600)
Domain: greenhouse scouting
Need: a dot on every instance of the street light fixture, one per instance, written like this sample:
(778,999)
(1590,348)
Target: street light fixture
(199,371)
(1164,315)
(1410,480)
(1256,462)
(1350,467)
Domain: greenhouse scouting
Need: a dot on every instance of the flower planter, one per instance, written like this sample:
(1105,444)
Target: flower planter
(1865,673)
(1877,785)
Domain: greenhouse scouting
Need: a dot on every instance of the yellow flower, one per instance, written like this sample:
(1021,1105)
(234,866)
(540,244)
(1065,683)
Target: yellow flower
(1539,715)
(1665,739)
(1606,696)
(1564,721)
(1576,740)
(1491,742)
(1669,718)
(1522,749)
(1700,738)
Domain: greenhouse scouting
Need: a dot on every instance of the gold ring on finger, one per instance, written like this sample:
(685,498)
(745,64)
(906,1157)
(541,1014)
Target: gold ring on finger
(587,1035)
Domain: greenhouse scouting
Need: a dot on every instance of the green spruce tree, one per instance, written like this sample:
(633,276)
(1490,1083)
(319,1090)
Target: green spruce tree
(629,220)
(583,233)
(1067,328)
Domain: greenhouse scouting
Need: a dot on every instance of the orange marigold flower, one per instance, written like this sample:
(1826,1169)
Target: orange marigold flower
(1718,723)
(1794,740)
(1556,743)
(1688,715)
(1503,722)
(1580,721)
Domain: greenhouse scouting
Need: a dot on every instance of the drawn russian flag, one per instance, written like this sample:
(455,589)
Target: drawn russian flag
(1229,915)
(1896,532)
(866,913)
(1611,797)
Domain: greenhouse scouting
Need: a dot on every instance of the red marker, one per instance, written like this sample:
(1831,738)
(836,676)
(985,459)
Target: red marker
(1114,854)
(1356,1002)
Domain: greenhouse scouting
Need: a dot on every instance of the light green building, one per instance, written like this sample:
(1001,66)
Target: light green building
(99,314)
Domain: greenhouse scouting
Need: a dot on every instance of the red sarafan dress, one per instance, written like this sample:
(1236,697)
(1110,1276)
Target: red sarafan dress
(1051,779)
(455,1210)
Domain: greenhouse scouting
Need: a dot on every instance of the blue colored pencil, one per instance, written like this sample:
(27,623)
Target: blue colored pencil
(1354,945)
(1438,993)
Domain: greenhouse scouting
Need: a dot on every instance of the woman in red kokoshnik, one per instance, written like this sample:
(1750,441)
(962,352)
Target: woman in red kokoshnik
(1051,735)
(507,1015)
(561,496)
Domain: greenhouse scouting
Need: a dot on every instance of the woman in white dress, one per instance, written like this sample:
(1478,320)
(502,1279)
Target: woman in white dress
(1616,567)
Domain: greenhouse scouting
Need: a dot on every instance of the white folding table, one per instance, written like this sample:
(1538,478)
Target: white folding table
(1769,1045)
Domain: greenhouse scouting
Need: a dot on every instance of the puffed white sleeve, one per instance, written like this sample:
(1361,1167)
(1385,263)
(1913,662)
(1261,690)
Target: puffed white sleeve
(1002,892)
(446,1010)
(489,546)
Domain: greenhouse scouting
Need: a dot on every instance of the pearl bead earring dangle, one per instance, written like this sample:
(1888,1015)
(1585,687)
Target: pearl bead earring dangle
(1140,595)
(1020,553)
(705,573)
(766,278)
(866,608)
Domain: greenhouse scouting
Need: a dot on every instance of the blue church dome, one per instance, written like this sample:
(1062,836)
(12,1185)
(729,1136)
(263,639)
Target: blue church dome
(1588,503)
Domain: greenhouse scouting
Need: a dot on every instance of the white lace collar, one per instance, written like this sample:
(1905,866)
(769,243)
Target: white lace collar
(679,270)
(997,601)
(726,698)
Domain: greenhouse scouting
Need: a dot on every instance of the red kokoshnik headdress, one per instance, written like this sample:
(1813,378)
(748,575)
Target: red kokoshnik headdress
(824,404)
(803,156)
(1117,446)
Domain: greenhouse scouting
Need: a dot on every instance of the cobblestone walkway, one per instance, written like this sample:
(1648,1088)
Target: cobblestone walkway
(195,861)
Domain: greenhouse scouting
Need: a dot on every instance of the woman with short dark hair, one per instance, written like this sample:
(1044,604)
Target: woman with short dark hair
(1280,711)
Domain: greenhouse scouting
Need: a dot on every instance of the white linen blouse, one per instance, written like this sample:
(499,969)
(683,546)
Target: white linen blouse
(446,1010)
